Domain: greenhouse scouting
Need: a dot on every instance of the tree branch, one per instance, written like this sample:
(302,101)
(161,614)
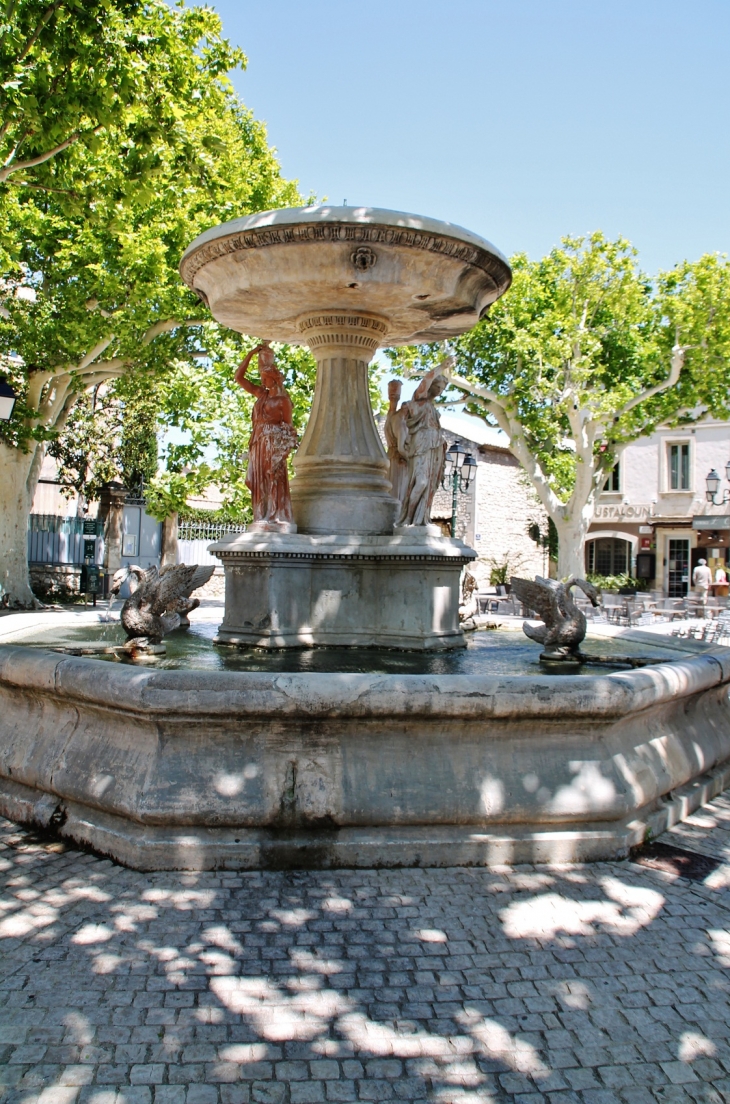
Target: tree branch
(170,324)
(8,168)
(473,389)
(678,353)
(97,350)
(48,14)
(514,430)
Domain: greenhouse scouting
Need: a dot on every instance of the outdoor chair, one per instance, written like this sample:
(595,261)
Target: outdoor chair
(612,606)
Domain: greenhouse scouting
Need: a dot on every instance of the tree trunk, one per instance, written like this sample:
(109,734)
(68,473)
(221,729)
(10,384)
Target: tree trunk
(111,511)
(168,551)
(571,544)
(16,499)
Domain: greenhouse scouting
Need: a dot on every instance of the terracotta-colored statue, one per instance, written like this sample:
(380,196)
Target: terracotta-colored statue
(272,439)
(398,466)
(422,444)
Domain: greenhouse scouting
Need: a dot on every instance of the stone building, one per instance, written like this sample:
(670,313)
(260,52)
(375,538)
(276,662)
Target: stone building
(653,516)
(493,516)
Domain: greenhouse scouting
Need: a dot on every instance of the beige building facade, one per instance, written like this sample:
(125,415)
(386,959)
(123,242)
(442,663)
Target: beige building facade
(653,518)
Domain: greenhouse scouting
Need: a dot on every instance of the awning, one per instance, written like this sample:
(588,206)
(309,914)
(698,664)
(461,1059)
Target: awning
(711,521)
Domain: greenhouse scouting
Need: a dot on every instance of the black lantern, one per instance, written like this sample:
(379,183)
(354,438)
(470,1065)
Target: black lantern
(7,401)
(468,470)
(713,486)
(453,461)
(459,471)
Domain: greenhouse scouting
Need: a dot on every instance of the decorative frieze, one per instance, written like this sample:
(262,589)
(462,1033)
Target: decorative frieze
(368,234)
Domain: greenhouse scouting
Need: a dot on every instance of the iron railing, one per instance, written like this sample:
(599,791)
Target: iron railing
(205,530)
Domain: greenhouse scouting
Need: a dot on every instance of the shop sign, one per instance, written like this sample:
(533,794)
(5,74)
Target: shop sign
(622,511)
(711,521)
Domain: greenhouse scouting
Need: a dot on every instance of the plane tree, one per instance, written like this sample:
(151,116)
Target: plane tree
(585,354)
(90,244)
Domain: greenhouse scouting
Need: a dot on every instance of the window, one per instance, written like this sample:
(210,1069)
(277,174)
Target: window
(608,556)
(613,483)
(678,467)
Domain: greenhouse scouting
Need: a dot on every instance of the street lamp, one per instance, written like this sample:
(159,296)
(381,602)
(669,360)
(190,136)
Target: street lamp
(7,401)
(459,470)
(713,486)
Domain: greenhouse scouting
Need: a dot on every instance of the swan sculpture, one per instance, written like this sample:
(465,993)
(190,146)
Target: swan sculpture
(160,600)
(565,625)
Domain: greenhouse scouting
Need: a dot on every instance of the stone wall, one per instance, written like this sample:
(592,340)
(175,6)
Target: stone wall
(493,516)
(505,504)
(214,589)
(50,581)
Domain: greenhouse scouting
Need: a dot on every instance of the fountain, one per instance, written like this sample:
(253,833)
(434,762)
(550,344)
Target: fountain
(344,281)
(286,766)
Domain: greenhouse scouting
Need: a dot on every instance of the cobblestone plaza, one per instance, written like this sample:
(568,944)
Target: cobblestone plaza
(573,985)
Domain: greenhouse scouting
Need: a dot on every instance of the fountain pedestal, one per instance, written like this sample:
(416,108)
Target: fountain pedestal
(344,281)
(300,590)
(342,483)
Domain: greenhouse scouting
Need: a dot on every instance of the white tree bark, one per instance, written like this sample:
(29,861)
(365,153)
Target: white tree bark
(51,396)
(15,504)
(572,518)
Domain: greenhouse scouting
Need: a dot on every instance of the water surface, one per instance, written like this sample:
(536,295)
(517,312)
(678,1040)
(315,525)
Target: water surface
(496,652)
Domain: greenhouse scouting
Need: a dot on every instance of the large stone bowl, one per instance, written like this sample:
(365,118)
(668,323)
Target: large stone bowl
(428,280)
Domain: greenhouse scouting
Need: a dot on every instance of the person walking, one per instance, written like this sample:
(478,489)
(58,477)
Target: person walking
(701,580)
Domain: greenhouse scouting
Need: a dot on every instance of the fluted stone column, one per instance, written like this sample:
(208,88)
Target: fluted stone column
(342,483)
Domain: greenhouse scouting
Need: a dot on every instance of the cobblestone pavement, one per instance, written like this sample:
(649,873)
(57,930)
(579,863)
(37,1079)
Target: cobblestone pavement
(577,985)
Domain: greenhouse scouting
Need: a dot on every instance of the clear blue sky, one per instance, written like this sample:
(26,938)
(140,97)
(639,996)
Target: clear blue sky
(522,120)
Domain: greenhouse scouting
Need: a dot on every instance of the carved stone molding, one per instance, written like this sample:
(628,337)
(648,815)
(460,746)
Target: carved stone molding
(351,329)
(243,555)
(368,234)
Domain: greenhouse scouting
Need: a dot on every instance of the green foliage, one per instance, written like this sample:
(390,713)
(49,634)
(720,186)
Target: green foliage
(98,237)
(502,570)
(617,582)
(222,516)
(86,451)
(564,358)
(91,238)
(111,433)
(546,539)
(80,74)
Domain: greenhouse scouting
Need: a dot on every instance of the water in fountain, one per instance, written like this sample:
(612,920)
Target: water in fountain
(496,652)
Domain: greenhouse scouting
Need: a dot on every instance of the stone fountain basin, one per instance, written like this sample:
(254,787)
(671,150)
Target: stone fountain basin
(428,280)
(193,770)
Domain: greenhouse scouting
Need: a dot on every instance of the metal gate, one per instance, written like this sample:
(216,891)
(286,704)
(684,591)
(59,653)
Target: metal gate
(140,536)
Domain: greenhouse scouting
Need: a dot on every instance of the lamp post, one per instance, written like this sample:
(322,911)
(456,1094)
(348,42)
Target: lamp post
(713,486)
(7,401)
(459,471)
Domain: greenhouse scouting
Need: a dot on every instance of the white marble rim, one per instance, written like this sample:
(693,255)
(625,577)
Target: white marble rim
(358,216)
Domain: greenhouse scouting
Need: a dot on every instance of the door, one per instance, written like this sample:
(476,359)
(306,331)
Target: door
(678,568)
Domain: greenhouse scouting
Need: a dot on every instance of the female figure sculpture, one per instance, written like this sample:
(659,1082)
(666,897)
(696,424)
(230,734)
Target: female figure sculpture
(272,439)
(398,465)
(422,444)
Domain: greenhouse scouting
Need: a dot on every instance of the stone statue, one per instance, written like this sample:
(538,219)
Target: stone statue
(469,601)
(160,600)
(565,625)
(272,439)
(421,443)
(398,465)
